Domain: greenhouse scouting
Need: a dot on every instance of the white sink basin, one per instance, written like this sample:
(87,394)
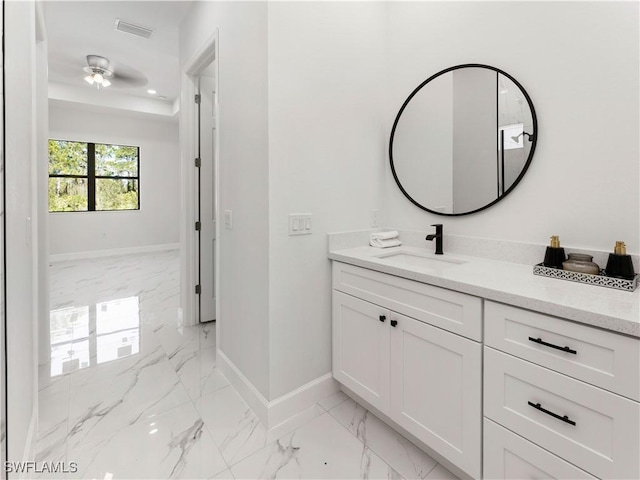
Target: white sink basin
(423,261)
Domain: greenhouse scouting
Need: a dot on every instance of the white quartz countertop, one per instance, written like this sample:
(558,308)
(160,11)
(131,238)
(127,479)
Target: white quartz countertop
(513,284)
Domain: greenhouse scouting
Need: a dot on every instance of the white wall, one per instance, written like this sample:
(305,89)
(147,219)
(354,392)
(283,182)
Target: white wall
(308,94)
(156,223)
(21,249)
(243,148)
(323,59)
(338,74)
(579,63)
(326,154)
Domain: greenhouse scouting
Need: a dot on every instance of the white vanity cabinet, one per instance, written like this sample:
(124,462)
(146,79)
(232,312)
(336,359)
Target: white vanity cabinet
(499,391)
(361,348)
(559,397)
(387,350)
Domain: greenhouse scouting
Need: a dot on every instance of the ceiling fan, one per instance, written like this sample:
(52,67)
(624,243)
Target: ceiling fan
(101,73)
(98,70)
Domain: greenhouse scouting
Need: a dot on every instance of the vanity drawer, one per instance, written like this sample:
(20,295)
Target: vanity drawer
(507,456)
(524,397)
(453,311)
(607,360)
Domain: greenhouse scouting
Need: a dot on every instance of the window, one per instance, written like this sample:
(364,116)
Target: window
(93,177)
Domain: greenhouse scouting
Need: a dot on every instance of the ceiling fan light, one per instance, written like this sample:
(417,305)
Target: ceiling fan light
(98,77)
(89,79)
(106,83)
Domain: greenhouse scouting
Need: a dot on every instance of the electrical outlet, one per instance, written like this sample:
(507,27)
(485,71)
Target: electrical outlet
(300,224)
(374,218)
(228,219)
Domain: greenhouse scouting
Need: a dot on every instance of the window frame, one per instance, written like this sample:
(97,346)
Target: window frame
(91,176)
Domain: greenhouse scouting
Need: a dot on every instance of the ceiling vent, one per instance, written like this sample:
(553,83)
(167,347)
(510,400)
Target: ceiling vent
(132,29)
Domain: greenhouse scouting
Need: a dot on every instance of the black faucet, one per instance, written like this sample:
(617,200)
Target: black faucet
(438,237)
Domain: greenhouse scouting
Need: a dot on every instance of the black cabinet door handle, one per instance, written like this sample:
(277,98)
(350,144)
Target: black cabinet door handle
(394,323)
(551,345)
(382,318)
(564,418)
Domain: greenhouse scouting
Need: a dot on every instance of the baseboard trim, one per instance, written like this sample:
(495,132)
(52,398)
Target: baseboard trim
(63,257)
(249,393)
(277,412)
(287,406)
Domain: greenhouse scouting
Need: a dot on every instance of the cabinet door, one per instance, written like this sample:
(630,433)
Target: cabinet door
(361,348)
(436,390)
(507,455)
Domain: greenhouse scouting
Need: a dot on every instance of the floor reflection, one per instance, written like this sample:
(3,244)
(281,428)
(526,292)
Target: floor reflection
(89,335)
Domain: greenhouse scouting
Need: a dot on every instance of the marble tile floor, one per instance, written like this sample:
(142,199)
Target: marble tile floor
(129,393)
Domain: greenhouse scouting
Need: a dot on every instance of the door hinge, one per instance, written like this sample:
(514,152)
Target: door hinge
(197,289)
(198,226)
(198,162)
(197,98)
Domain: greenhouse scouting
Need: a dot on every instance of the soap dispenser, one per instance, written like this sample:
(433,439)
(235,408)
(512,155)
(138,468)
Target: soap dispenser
(554,255)
(620,264)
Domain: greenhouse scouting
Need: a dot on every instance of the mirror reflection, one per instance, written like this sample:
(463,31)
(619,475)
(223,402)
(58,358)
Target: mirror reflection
(463,140)
(89,335)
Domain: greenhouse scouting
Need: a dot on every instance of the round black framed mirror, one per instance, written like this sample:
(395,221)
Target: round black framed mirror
(463,140)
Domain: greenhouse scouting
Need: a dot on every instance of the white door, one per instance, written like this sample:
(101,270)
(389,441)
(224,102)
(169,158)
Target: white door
(436,389)
(206,201)
(361,348)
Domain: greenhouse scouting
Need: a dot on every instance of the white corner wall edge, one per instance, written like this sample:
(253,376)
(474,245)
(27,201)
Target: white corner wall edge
(63,257)
(283,409)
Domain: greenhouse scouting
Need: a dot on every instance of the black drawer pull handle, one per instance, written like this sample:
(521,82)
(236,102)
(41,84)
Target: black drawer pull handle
(382,318)
(554,415)
(394,323)
(541,342)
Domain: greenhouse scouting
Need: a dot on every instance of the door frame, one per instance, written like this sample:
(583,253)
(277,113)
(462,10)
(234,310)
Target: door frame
(202,58)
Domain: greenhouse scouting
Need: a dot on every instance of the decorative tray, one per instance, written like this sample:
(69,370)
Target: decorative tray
(600,280)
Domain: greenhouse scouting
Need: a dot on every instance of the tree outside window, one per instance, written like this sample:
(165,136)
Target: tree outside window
(86,176)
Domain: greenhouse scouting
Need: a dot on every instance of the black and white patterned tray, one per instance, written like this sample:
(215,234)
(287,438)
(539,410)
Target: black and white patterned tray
(600,280)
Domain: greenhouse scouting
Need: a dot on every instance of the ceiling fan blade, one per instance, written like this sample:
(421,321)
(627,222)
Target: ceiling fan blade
(125,76)
(123,80)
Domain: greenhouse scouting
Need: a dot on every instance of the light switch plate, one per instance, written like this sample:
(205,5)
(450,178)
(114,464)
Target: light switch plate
(300,224)
(228,219)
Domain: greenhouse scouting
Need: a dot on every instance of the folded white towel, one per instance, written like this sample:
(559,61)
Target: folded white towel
(385,235)
(382,243)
